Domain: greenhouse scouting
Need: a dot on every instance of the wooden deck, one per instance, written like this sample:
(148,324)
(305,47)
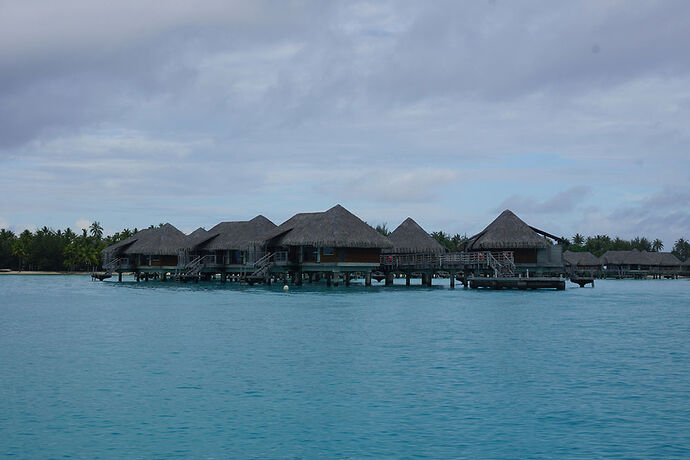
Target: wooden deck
(517,283)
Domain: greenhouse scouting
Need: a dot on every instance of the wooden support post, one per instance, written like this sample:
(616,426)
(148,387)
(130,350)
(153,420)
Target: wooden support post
(336,279)
(146,277)
(328,279)
(299,278)
(407,278)
(137,277)
(452,280)
(347,279)
(311,278)
(119,276)
(223,277)
(389,279)
(367,279)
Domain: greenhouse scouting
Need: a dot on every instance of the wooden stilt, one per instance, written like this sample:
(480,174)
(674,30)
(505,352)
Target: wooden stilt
(367,279)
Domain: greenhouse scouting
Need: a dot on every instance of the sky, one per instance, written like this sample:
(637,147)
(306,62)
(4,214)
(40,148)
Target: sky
(575,115)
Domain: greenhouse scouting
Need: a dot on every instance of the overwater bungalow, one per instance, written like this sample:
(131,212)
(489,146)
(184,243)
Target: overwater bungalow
(414,253)
(532,250)
(624,264)
(410,238)
(229,247)
(665,264)
(640,264)
(150,251)
(331,243)
(581,263)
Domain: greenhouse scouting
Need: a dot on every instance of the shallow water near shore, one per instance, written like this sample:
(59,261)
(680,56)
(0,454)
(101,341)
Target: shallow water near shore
(165,370)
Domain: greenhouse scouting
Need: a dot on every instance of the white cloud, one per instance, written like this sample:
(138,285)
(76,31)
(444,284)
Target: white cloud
(83,224)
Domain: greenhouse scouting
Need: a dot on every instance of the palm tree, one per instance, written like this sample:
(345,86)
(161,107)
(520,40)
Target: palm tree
(657,245)
(96,229)
(578,240)
(383,229)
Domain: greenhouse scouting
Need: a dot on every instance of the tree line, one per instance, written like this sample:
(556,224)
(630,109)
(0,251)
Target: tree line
(57,250)
(597,245)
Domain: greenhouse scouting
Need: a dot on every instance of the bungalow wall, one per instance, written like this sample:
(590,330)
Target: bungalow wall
(311,254)
(156,260)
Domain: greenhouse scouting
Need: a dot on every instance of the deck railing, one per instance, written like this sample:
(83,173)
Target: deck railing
(483,259)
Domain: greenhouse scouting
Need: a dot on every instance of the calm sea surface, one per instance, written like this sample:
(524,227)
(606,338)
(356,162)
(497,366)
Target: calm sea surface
(161,370)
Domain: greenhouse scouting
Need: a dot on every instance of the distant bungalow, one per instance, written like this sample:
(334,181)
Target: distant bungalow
(639,264)
(151,250)
(335,244)
(331,243)
(582,263)
(410,238)
(414,252)
(529,247)
(229,247)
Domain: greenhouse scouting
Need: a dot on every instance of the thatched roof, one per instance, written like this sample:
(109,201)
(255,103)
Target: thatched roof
(665,259)
(165,240)
(197,237)
(508,231)
(120,245)
(410,238)
(633,257)
(336,227)
(238,235)
(581,259)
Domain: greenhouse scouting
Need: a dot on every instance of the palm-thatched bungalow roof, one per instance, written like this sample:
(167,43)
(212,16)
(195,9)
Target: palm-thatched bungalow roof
(633,257)
(581,259)
(336,227)
(410,238)
(165,241)
(665,259)
(196,237)
(239,235)
(121,245)
(508,231)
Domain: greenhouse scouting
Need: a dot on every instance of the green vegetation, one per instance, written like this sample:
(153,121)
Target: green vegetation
(56,250)
(455,243)
(599,244)
(383,229)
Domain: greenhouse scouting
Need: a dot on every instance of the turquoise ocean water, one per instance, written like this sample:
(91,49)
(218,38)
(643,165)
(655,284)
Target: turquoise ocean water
(161,370)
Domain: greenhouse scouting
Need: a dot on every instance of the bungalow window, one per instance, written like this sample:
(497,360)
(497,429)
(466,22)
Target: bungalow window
(328,251)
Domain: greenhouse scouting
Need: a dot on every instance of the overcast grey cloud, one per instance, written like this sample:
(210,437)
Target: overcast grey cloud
(194,112)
